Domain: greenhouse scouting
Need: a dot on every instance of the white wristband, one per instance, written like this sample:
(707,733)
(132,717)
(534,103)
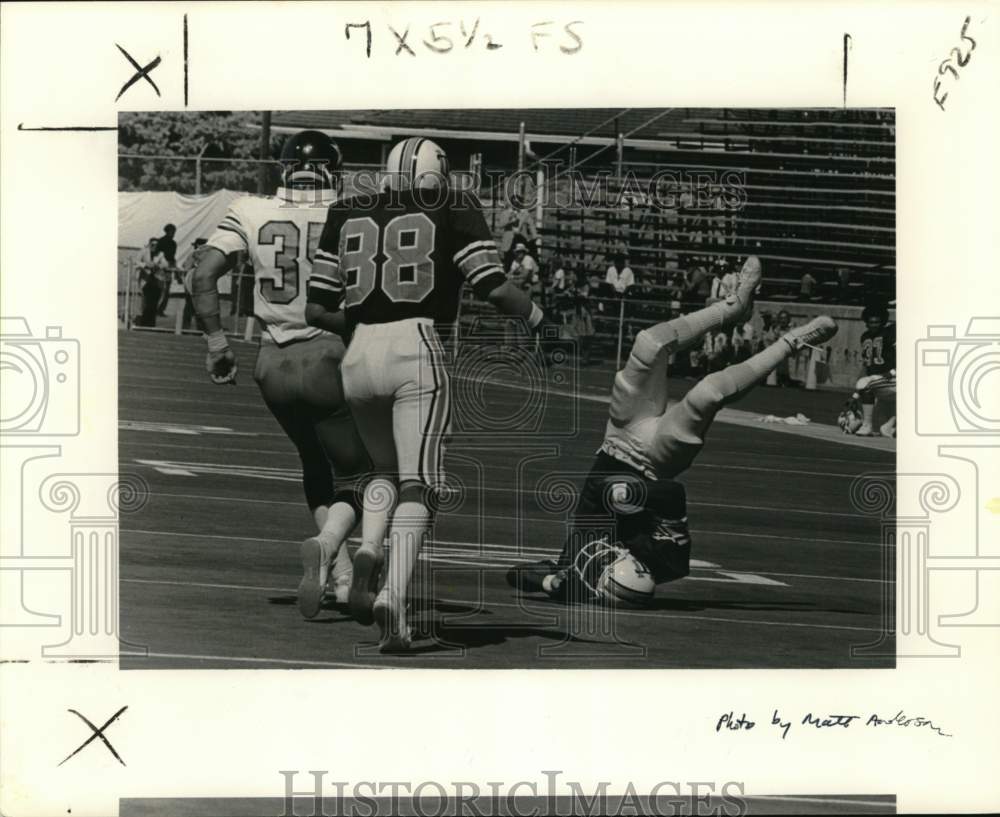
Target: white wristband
(217,341)
(536,316)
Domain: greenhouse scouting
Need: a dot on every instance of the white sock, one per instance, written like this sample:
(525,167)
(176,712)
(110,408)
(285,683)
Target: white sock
(380,499)
(410,525)
(868,413)
(342,565)
(340,521)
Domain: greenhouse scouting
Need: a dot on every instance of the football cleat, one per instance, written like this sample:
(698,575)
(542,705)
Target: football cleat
(818,330)
(310,159)
(415,162)
(888,428)
(315,568)
(865,431)
(360,597)
(529,577)
(390,614)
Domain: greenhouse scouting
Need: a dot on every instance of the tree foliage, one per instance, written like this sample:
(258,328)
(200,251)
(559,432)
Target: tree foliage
(220,134)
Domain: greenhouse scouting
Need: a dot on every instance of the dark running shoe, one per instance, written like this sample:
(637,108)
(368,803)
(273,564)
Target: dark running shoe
(529,577)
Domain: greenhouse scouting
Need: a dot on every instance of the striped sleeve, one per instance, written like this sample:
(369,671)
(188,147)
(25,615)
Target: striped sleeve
(230,235)
(477,260)
(476,256)
(326,287)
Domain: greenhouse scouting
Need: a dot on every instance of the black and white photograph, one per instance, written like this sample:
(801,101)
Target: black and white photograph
(536,408)
(507,388)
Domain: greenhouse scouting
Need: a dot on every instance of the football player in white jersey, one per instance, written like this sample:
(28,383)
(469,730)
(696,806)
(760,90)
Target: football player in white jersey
(392,265)
(298,366)
(631,496)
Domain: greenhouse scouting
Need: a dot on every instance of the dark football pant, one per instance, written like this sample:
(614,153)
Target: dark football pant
(644,518)
(300,384)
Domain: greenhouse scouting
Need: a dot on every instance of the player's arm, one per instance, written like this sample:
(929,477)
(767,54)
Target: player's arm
(324,306)
(328,318)
(203,284)
(514,301)
(475,254)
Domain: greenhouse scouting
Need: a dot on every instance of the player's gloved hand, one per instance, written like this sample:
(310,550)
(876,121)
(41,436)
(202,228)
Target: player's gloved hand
(220,362)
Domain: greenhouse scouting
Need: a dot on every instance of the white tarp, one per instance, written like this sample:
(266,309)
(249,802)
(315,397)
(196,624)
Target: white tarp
(142,216)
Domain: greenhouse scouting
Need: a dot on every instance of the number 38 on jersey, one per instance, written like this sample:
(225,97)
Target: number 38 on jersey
(389,258)
(405,244)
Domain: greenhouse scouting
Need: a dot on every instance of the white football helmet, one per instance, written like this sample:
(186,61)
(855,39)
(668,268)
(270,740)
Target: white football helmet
(614,575)
(415,162)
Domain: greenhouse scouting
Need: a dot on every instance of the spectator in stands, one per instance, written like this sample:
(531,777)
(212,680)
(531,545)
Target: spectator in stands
(766,328)
(150,284)
(807,286)
(729,277)
(581,324)
(524,273)
(620,275)
(716,351)
(563,298)
(742,342)
(557,281)
(715,284)
(508,230)
(677,289)
(166,245)
(843,284)
(699,284)
(181,276)
(641,307)
(781,325)
(598,293)
(527,232)
(147,255)
(150,262)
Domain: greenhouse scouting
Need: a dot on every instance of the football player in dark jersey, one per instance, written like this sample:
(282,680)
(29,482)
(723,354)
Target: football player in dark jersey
(878,384)
(388,268)
(629,530)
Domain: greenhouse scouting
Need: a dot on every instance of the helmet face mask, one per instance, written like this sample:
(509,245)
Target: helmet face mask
(611,575)
(311,160)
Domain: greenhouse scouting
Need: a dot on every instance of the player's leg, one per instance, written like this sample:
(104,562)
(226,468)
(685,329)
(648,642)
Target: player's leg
(640,389)
(321,388)
(594,518)
(886,406)
(876,391)
(278,375)
(373,417)
(617,505)
(371,408)
(421,419)
(682,429)
(866,396)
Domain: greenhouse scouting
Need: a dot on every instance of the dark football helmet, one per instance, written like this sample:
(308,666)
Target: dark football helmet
(310,159)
